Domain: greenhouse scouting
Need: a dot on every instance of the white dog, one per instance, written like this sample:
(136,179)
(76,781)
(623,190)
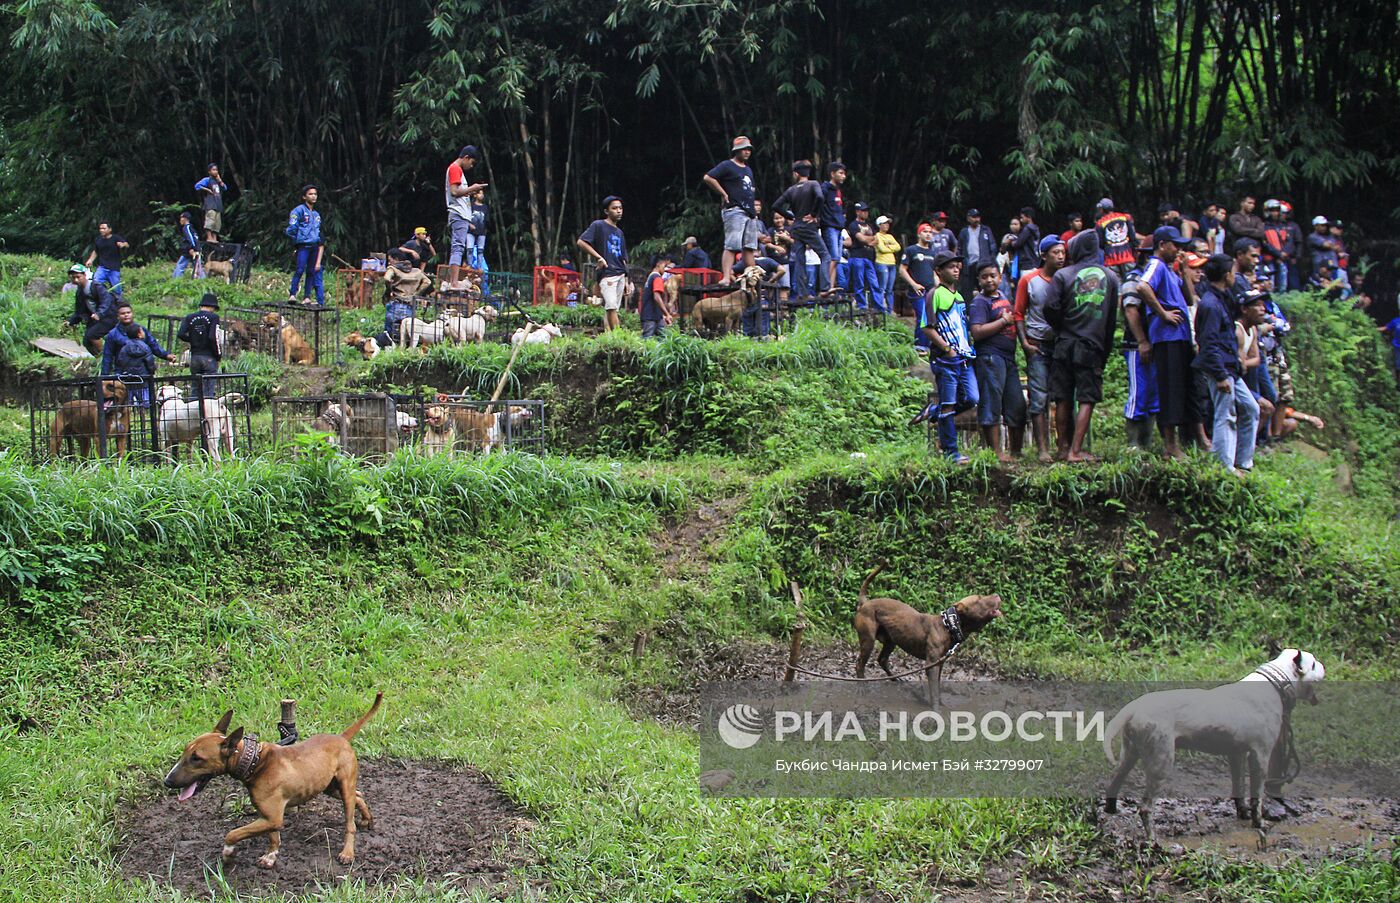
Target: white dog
(413,331)
(1241,721)
(179,421)
(540,336)
(473,328)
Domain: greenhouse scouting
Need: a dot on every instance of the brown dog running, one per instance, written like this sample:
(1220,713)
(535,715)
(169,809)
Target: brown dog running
(276,777)
(76,421)
(294,347)
(926,637)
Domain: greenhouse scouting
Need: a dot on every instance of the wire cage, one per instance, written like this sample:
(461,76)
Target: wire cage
(144,419)
(307,334)
(364,426)
(239,257)
(556,285)
(429,312)
(455,424)
(163,327)
(245,329)
(357,287)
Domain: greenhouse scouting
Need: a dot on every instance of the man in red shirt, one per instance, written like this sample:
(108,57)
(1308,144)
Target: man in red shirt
(458,192)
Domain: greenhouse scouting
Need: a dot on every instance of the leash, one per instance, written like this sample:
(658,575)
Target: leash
(919,670)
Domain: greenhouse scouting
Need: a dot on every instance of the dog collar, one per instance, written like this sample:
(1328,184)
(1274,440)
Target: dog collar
(248,760)
(1281,682)
(953,621)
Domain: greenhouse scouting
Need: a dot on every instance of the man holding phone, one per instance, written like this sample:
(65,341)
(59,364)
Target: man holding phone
(458,192)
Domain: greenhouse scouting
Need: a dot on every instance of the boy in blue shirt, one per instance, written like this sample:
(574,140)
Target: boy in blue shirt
(304,229)
(944,324)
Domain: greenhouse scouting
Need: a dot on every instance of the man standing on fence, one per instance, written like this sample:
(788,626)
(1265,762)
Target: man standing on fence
(458,193)
(211,189)
(603,243)
(107,251)
(118,336)
(732,180)
(304,229)
(201,330)
(94,308)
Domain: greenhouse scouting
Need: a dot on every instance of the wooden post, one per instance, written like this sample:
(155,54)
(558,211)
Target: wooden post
(795,650)
(501,383)
(287,727)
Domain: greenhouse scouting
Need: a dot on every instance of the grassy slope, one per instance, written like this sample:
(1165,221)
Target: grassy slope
(140,603)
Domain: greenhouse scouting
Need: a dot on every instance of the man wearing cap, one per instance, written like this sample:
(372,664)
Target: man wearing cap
(732,180)
(304,229)
(94,308)
(417,251)
(1141,406)
(805,200)
(978,247)
(1082,307)
(943,238)
(1321,244)
(1169,331)
(458,194)
(833,217)
(201,330)
(916,269)
(695,257)
(862,254)
(211,189)
(1037,338)
(188,243)
(944,324)
(1118,238)
(887,251)
(604,244)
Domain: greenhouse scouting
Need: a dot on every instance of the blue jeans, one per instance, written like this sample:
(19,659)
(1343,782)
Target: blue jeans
(185,262)
(843,274)
(957,390)
(305,260)
(884,285)
(110,278)
(1038,381)
(804,236)
(999,393)
(1236,423)
(919,303)
(863,279)
(833,239)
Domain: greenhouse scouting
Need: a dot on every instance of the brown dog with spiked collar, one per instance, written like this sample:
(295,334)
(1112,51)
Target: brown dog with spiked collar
(931,638)
(276,777)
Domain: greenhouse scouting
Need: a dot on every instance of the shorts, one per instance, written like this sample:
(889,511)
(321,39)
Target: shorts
(1142,400)
(999,391)
(1037,382)
(1076,373)
(612,290)
(1177,400)
(213,221)
(740,230)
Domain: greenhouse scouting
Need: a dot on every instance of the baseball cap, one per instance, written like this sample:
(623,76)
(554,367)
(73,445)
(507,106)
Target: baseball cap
(1168,233)
(1253,295)
(1193,260)
(470,151)
(940,215)
(76,269)
(943,258)
(860,205)
(1337,223)
(421,230)
(609,199)
(881,220)
(922,227)
(1049,242)
(740,143)
(691,240)
(1285,206)
(1105,204)
(974,212)
(1319,220)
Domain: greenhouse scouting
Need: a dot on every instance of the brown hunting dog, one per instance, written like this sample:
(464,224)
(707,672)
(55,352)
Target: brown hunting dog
(926,637)
(277,777)
(76,421)
(448,427)
(294,347)
(728,309)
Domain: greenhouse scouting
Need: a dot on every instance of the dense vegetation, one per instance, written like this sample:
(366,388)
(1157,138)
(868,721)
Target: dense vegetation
(495,601)
(112,108)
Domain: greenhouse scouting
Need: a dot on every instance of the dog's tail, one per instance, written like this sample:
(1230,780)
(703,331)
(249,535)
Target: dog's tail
(1115,727)
(865,584)
(354,729)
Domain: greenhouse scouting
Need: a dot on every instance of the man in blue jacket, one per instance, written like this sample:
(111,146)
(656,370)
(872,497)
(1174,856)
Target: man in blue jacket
(1236,411)
(117,337)
(304,229)
(976,243)
(94,308)
(188,243)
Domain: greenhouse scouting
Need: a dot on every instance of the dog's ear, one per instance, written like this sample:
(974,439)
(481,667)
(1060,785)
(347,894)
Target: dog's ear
(222,726)
(232,740)
(1298,661)
(441,398)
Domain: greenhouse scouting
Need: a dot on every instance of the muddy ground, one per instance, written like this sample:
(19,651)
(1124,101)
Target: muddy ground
(432,820)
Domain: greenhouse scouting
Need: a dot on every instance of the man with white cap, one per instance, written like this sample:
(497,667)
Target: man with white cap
(732,180)
(1321,244)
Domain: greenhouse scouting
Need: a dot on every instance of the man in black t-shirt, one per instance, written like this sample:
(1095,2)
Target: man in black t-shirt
(201,331)
(732,180)
(862,254)
(604,244)
(107,251)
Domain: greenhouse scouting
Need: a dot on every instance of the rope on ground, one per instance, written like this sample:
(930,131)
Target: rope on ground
(919,670)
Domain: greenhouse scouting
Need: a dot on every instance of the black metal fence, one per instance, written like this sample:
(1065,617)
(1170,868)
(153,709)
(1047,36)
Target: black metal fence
(164,327)
(239,258)
(246,329)
(365,426)
(145,419)
(314,338)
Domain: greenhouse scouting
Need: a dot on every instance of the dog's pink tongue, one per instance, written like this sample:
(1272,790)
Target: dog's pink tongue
(188,793)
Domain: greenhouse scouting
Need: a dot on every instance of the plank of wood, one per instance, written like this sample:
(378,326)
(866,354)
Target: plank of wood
(65,348)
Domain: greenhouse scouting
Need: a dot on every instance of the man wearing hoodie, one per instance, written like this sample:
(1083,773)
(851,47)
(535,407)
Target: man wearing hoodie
(1082,308)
